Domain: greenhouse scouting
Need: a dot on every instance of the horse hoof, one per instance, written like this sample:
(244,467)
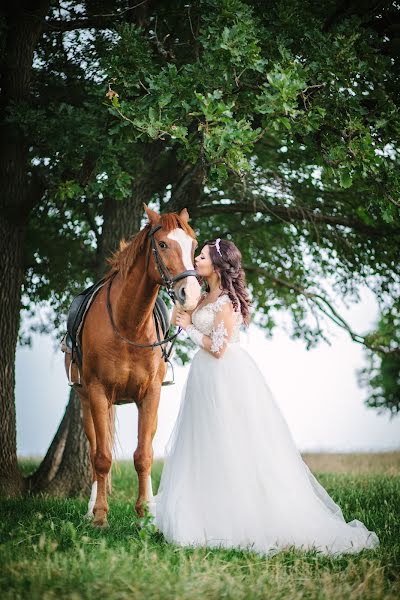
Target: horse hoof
(100,524)
(100,519)
(88,516)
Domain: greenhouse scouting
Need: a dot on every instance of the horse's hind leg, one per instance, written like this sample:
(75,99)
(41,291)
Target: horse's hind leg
(91,436)
(103,458)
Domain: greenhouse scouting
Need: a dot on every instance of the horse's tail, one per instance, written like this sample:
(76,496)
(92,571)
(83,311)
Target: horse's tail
(111,436)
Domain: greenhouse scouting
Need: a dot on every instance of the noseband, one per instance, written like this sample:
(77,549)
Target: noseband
(169,282)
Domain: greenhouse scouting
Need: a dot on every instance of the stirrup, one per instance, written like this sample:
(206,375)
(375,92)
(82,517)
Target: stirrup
(70,382)
(173,374)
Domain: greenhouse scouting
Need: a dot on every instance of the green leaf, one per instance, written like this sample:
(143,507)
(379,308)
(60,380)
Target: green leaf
(387,215)
(285,121)
(115,102)
(152,114)
(345,178)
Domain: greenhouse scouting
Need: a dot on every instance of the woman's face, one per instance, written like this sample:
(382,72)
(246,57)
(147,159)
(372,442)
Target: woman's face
(203,263)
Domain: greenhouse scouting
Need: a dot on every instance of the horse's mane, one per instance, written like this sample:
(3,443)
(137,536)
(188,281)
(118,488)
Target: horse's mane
(125,257)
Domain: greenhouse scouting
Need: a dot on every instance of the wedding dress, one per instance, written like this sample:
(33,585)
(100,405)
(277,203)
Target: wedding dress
(233,476)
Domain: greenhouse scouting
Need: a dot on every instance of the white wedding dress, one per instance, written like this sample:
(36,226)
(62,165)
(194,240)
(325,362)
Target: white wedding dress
(233,476)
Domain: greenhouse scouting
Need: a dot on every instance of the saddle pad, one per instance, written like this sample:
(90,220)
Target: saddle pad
(78,309)
(81,304)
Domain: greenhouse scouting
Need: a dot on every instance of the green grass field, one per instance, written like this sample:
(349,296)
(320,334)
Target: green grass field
(49,551)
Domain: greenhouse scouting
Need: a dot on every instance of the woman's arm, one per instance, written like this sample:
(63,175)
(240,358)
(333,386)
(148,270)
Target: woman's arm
(217,342)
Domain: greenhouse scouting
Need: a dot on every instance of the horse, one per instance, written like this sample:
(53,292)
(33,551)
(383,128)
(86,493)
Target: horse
(120,364)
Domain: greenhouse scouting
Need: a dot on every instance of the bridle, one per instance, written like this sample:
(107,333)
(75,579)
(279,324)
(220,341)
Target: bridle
(165,274)
(169,282)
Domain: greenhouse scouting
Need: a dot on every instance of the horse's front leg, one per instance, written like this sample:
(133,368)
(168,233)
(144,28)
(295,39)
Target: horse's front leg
(143,455)
(100,411)
(91,436)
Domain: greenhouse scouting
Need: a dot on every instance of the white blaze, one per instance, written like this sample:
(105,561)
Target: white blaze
(192,287)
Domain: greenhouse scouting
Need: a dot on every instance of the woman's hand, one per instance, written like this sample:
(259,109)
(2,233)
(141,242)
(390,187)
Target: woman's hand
(182,319)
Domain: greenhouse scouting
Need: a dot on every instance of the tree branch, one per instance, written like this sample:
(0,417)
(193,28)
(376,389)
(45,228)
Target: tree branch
(105,21)
(324,306)
(291,214)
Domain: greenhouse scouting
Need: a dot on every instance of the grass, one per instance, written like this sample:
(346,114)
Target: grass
(49,551)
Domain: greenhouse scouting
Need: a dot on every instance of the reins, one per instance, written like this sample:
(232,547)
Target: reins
(169,281)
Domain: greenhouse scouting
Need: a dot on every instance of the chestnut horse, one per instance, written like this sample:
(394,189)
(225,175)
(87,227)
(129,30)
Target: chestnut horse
(115,371)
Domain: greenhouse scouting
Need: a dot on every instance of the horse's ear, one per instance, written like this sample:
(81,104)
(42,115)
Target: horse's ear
(184,215)
(154,217)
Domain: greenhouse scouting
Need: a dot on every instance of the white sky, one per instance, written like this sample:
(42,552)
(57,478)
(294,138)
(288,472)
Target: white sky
(316,391)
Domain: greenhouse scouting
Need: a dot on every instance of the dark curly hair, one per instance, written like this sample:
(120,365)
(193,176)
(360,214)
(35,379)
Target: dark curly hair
(233,278)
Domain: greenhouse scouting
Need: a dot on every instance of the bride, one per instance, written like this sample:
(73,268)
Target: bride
(232,475)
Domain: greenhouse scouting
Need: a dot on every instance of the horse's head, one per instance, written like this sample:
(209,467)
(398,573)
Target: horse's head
(176,243)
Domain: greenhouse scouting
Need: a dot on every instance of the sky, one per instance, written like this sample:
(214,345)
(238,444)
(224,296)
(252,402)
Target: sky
(316,391)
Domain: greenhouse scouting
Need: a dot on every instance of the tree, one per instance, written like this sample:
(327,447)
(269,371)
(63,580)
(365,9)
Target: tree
(19,191)
(274,124)
(381,376)
(65,470)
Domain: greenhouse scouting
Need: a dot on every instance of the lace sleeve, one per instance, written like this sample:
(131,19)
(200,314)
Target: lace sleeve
(195,335)
(223,326)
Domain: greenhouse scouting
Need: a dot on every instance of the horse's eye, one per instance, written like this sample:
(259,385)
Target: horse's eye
(162,245)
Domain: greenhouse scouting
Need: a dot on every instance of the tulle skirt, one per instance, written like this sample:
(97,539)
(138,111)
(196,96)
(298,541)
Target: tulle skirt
(233,476)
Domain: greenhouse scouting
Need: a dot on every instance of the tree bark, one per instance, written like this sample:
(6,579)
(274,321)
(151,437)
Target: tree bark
(188,189)
(11,248)
(23,21)
(66,469)
(123,219)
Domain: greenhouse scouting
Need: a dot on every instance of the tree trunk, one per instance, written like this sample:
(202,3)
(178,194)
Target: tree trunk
(187,190)
(11,247)
(22,23)
(123,219)
(66,469)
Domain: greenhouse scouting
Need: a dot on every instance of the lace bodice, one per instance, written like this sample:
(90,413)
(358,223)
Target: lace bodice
(203,317)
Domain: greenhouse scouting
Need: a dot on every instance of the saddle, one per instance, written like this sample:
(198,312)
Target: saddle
(78,310)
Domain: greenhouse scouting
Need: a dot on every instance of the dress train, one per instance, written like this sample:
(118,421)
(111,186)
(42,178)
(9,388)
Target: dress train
(233,476)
